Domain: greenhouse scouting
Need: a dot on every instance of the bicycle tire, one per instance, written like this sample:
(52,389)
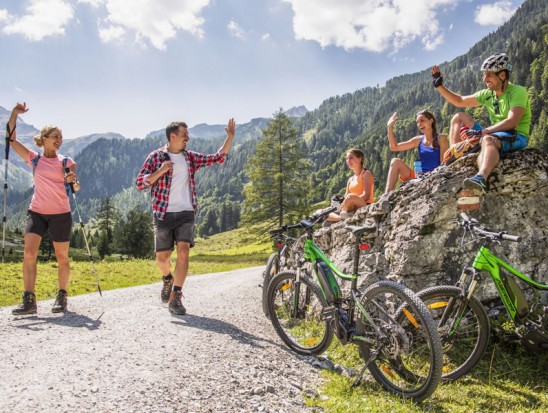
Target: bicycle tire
(272,268)
(463,350)
(298,318)
(408,350)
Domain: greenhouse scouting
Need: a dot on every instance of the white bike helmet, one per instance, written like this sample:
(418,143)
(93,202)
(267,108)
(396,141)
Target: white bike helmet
(496,63)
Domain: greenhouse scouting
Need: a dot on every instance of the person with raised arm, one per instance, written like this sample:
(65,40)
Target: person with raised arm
(431,147)
(509,112)
(169,173)
(49,209)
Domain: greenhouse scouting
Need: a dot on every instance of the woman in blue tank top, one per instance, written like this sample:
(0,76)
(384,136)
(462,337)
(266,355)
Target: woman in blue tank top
(430,144)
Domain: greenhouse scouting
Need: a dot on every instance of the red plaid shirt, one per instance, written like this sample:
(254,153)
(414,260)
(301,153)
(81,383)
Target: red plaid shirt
(160,189)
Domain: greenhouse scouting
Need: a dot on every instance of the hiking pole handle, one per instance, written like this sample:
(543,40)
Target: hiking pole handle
(7,147)
(67,170)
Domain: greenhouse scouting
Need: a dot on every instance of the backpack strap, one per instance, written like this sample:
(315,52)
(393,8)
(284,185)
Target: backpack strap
(34,162)
(67,186)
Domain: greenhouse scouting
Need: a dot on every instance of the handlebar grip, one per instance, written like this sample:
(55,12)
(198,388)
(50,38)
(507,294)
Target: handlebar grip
(67,170)
(329,210)
(509,237)
(464,216)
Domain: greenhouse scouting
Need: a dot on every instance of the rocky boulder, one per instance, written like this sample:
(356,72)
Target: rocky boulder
(418,242)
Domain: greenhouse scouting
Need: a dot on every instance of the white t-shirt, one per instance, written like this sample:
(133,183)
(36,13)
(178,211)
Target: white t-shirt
(179,193)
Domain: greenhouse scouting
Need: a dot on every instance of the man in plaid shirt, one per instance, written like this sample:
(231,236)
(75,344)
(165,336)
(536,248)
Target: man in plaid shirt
(169,173)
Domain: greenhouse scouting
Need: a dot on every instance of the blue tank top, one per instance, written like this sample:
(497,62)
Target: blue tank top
(429,156)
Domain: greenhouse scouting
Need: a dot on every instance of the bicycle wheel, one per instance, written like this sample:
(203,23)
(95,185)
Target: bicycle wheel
(272,268)
(295,309)
(464,338)
(398,337)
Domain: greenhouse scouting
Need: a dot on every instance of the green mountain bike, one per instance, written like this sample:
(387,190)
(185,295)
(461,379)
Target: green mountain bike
(462,321)
(277,261)
(401,349)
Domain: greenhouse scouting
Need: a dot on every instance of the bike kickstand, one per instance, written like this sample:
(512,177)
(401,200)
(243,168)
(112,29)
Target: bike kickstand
(373,357)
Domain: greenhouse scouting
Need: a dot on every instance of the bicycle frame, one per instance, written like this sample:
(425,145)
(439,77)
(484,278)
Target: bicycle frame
(332,293)
(485,260)
(328,284)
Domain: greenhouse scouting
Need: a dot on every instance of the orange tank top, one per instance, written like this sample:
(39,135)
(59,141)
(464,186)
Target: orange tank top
(356,187)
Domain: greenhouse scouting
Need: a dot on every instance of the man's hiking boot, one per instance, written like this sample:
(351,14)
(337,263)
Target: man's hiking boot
(477,182)
(166,288)
(60,304)
(175,304)
(28,306)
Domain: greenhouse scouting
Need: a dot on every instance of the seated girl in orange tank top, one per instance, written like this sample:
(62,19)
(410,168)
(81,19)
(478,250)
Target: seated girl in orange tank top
(360,187)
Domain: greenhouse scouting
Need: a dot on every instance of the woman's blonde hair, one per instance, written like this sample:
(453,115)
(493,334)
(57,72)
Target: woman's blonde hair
(44,133)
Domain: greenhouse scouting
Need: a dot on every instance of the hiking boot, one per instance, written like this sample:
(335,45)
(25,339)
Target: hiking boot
(28,306)
(166,288)
(175,304)
(60,304)
(477,182)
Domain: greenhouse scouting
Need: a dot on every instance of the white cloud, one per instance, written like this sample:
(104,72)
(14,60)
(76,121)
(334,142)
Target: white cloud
(494,14)
(235,30)
(265,36)
(111,33)
(3,15)
(92,3)
(373,25)
(156,21)
(42,18)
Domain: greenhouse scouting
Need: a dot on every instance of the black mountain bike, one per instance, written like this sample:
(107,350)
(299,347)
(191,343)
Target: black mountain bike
(277,260)
(401,348)
(462,321)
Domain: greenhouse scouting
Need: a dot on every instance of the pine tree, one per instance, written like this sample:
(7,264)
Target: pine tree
(134,236)
(106,219)
(278,173)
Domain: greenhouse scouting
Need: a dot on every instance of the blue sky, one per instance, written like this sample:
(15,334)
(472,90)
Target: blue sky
(133,66)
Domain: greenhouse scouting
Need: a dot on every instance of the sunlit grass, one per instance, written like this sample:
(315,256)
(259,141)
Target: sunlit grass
(508,379)
(222,252)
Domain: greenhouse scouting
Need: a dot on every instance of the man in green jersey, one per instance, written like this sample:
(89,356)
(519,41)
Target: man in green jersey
(509,112)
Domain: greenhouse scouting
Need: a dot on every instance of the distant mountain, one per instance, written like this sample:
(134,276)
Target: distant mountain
(296,111)
(250,130)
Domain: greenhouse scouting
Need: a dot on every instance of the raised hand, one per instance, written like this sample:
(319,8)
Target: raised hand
(437,76)
(392,120)
(231,128)
(20,108)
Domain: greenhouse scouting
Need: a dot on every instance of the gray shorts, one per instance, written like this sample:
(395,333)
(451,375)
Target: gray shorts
(175,227)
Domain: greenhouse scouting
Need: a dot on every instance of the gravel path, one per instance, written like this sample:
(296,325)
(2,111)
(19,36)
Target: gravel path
(132,355)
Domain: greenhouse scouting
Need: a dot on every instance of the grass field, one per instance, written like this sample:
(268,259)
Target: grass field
(222,252)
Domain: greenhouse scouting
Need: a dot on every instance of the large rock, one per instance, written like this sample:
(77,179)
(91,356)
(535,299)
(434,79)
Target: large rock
(418,242)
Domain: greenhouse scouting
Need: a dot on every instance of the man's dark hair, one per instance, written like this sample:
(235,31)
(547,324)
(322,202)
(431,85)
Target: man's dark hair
(173,127)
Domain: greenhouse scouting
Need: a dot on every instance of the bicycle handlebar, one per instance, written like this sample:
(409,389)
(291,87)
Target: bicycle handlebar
(470,223)
(305,223)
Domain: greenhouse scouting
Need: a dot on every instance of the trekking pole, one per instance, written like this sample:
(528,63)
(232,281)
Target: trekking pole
(67,170)
(6,161)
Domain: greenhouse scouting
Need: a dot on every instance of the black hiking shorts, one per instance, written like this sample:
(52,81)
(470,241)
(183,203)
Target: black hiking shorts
(59,225)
